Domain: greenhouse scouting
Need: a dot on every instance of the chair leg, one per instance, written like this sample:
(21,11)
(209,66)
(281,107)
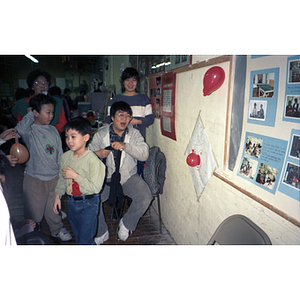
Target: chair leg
(159,213)
(118,208)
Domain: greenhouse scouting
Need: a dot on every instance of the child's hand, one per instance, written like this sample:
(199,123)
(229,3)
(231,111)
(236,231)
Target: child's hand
(69,173)
(102,153)
(29,221)
(57,204)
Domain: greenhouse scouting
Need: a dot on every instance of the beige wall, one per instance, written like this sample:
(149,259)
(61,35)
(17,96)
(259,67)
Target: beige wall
(191,220)
(113,74)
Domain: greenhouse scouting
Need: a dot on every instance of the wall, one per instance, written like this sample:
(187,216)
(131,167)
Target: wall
(113,74)
(191,220)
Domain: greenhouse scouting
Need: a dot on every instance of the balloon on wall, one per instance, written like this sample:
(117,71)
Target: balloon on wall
(193,159)
(212,80)
(19,151)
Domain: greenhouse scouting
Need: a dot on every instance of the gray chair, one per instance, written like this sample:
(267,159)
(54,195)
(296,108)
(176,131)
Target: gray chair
(239,230)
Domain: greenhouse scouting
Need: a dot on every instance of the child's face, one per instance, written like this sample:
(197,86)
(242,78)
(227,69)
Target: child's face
(120,121)
(45,116)
(76,141)
(130,84)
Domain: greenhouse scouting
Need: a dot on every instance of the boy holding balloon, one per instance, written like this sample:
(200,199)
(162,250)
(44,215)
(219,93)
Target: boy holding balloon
(41,171)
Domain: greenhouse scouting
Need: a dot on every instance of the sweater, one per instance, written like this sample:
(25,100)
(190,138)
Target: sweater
(90,169)
(141,110)
(44,145)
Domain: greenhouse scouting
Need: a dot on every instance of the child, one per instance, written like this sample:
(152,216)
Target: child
(41,172)
(81,176)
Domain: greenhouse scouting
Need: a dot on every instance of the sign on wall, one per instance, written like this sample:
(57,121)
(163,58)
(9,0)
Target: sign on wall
(167,121)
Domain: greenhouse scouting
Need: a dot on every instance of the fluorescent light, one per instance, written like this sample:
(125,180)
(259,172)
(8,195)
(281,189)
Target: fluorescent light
(160,65)
(32,58)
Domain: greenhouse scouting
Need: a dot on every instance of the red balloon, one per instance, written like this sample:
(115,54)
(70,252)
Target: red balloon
(212,80)
(19,151)
(193,159)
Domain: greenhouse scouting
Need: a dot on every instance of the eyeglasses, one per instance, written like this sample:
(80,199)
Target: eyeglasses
(41,83)
(122,115)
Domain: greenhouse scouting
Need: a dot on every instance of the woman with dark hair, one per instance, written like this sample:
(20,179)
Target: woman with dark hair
(39,82)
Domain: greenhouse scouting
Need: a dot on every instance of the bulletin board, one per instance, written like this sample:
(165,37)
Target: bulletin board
(167,120)
(155,95)
(269,158)
(162,96)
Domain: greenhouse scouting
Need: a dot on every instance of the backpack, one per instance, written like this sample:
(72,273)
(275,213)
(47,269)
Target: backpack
(154,170)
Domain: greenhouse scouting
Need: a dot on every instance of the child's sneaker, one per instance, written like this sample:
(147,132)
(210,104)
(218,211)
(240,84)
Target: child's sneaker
(64,235)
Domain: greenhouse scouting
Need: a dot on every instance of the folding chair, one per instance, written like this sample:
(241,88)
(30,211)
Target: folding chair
(239,230)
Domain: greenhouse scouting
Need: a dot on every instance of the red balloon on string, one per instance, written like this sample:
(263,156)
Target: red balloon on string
(19,151)
(193,159)
(212,80)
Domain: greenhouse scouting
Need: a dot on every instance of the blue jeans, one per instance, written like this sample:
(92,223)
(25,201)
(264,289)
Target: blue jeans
(83,219)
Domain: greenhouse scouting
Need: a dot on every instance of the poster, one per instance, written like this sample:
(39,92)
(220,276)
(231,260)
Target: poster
(200,144)
(263,97)
(167,104)
(291,111)
(262,160)
(290,181)
(155,95)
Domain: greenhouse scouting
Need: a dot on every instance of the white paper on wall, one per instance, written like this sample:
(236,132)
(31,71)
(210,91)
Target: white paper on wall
(200,144)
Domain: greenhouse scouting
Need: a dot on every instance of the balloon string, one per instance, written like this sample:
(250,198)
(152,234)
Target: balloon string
(17,138)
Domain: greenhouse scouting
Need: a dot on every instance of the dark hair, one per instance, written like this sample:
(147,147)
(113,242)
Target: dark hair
(4,164)
(33,75)
(120,105)
(20,93)
(129,73)
(80,124)
(37,101)
(55,90)
(66,91)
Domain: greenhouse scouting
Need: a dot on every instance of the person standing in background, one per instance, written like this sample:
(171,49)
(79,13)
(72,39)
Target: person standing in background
(39,82)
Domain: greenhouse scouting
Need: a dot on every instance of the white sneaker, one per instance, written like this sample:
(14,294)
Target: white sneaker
(103,238)
(64,235)
(123,232)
